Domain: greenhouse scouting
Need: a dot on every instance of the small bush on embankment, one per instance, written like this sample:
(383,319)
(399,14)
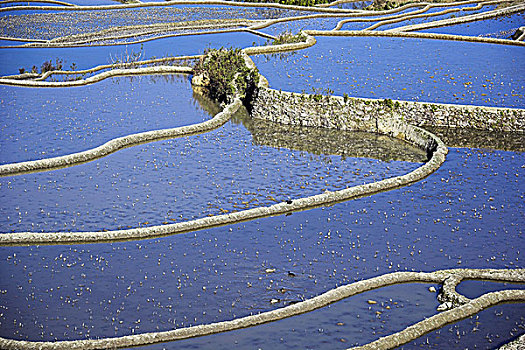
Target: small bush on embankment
(292,2)
(384,5)
(289,38)
(226,74)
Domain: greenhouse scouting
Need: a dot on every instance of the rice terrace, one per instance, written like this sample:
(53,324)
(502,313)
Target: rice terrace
(291,174)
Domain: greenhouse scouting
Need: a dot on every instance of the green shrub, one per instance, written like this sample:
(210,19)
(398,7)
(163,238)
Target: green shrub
(227,73)
(317,95)
(48,66)
(389,103)
(289,38)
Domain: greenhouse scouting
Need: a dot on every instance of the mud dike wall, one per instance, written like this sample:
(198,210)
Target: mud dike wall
(361,114)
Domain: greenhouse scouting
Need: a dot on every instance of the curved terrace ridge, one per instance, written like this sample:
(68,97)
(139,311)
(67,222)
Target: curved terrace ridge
(51,44)
(56,2)
(438,157)
(119,142)
(324,8)
(123,32)
(416,35)
(178,2)
(456,306)
(419,137)
(423,13)
(90,39)
(40,77)
(118,72)
(463,19)
(397,128)
(433,14)
(410,333)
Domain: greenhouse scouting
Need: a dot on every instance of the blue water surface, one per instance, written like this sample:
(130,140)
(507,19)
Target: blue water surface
(464,11)
(87,57)
(180,179)
(51,122)
(404,69)
(500,27)
(467,214)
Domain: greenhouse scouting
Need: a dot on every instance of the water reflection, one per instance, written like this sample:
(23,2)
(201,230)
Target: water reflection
(462,137)
(329,141)
(206,103)
(318,141)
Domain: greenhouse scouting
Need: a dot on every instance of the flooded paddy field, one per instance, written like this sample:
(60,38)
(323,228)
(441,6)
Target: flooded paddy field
(87,57)
(73,2)
(47,26)
(403,69)
(75,119)
(467,214)
(326,23)
(438,13)
(175,180)
(499,27)
(473,288)
(330,21)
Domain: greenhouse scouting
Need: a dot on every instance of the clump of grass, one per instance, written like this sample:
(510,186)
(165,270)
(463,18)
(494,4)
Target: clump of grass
(227,74)
(320,94)
(170,61)
(128,59)
(389,103)
(289,38)
(47,66)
